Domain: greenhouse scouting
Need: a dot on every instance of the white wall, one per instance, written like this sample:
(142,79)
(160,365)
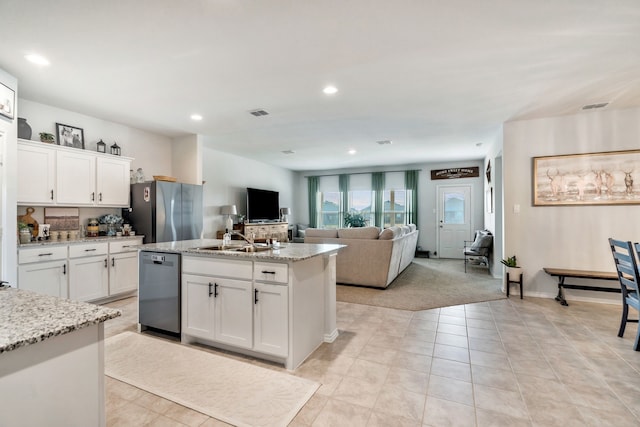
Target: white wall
(186,155)
(150,151)
(565,236)
(427,197)
(8,188)
(227,177)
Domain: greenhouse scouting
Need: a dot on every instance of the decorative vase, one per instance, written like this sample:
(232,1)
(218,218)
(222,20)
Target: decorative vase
(25,236)
(24,130)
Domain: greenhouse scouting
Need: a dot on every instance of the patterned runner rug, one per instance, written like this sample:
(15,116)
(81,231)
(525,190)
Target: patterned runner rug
(232,391)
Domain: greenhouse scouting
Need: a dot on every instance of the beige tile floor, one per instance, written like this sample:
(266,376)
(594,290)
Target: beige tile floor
(510,362)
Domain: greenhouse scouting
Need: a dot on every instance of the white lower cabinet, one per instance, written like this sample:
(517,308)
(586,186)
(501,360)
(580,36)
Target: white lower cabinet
(123,266)
(88,278)
(270,319)
(237,312)
(46,277)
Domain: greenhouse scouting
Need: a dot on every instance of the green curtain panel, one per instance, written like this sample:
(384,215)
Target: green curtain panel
(313,183)
(343,184)
(377,185)
(411,185)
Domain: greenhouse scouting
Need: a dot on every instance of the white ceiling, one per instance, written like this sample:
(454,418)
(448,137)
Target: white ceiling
(435,77)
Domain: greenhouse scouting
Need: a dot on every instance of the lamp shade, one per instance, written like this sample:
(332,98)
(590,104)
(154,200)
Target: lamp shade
(285,211)
(228,210)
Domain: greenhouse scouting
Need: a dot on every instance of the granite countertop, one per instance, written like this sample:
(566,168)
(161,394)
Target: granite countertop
(27,317)
(286,252)
(79,240)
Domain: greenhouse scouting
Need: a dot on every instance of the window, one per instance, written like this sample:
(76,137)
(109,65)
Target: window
(360,202)
(330,209)
(394,207)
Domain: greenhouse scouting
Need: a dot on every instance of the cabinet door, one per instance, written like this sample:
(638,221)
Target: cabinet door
(75,178)
(49,278)
(112,181)
(36,174)
(123,274)
(233,312)
(197,306)
(88,278)
(271,317)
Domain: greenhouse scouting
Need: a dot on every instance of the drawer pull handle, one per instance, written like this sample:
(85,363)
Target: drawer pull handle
(126,246)
(268,272)
(47,254)
(90,250)
(93,196)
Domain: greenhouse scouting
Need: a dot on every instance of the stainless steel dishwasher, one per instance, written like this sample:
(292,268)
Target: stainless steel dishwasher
(159,291)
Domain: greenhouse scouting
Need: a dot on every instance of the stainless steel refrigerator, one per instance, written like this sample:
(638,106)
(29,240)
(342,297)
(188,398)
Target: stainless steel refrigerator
(166,211)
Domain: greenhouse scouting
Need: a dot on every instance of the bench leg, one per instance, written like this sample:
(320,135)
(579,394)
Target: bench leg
(560,297)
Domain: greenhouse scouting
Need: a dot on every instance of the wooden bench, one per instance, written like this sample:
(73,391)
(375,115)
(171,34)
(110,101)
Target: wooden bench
(563,273)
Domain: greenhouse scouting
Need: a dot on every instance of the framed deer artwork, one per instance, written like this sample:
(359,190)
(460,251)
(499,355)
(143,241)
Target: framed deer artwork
(608,178)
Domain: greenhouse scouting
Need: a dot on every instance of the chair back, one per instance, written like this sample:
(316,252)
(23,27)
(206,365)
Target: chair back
(626,264)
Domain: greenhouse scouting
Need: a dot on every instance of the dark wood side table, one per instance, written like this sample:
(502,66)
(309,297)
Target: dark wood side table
(518,282)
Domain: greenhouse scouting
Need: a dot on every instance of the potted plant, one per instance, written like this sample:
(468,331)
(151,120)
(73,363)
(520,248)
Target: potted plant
(24,232)
(512,267)
(47,137)
(354,220)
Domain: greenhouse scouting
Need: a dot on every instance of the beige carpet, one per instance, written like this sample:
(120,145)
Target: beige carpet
(232,391)
(428,283)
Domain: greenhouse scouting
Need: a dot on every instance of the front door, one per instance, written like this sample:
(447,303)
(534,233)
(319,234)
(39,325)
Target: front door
(454,219)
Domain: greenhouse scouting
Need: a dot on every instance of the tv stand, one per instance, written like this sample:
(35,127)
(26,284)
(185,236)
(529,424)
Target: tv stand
(267,230)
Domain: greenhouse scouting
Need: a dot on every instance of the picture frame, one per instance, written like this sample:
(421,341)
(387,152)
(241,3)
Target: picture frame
(604,178)
(70,136)
(7,102)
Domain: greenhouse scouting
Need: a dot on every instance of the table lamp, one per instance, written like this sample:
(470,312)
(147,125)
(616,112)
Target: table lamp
(284,214)
(228,210)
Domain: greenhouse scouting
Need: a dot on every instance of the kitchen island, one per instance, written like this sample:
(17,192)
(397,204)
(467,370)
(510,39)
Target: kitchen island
(277,304)
(51,360)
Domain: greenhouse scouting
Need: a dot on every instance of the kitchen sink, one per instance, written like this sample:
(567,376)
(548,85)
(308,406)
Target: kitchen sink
(236,248)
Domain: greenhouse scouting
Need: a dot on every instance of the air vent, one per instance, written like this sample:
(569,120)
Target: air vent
(288,152)
(594,106)
(258,112)
(385,142)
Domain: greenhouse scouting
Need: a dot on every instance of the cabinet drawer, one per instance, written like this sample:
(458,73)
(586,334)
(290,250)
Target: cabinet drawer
(271,272)
(236,269)
(88,249)
(43,253)
(124,246)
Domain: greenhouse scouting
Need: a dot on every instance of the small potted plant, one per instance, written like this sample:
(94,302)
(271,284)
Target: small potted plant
(354,220)
(24,232)
(47,137)
(512,267)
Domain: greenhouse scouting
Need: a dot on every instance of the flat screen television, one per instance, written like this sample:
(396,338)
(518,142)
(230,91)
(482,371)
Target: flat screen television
(262,205)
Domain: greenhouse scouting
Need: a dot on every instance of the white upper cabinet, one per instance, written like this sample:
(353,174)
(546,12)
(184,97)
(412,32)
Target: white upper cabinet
(36,183)
(54,175)
(76,178)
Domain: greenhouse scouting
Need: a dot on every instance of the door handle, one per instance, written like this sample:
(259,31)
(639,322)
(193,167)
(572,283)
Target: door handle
(113,262)
(90,250)
(268,272)
(100,197)
(255,296)
(93,196)
(64,268)
(105,263)
(51,194)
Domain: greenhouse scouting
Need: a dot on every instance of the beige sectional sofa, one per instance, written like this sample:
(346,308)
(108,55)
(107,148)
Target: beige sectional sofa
(372,257)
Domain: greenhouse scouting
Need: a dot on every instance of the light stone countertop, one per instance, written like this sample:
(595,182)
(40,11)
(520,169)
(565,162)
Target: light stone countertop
(286,252)
(27,317)
(74,241)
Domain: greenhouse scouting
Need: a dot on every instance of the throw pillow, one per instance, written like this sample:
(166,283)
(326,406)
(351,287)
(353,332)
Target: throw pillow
(386,234)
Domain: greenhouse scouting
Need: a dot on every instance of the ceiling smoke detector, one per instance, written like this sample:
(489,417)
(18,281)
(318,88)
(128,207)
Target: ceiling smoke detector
(385,142)
(288,151)
(259,112)
(594,106)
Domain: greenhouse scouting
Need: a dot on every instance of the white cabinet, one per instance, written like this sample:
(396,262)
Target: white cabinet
(112,182)
(55,175)
(271,333)
(123,266)
(43,269)
(88,271)
(36,183)
(233,312)
(227,301)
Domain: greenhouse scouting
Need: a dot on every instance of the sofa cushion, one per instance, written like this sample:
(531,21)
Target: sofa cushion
(412,227)
(386,234)
(406,229)
(370,232)
(319,232)
(483,240)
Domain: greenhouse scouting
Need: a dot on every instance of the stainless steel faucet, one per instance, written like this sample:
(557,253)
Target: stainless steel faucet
(246,239)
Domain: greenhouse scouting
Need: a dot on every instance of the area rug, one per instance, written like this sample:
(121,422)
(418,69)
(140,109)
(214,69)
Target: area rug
(232,391)
(428,283)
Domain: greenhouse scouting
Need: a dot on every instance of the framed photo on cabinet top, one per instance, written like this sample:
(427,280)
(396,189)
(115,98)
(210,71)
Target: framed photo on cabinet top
(607,178)
(70,136)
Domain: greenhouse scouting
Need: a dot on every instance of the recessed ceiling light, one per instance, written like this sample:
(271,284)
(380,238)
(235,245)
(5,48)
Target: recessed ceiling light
(37,59)
(259,112)
(330,90)
(352,151)
(196,117)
